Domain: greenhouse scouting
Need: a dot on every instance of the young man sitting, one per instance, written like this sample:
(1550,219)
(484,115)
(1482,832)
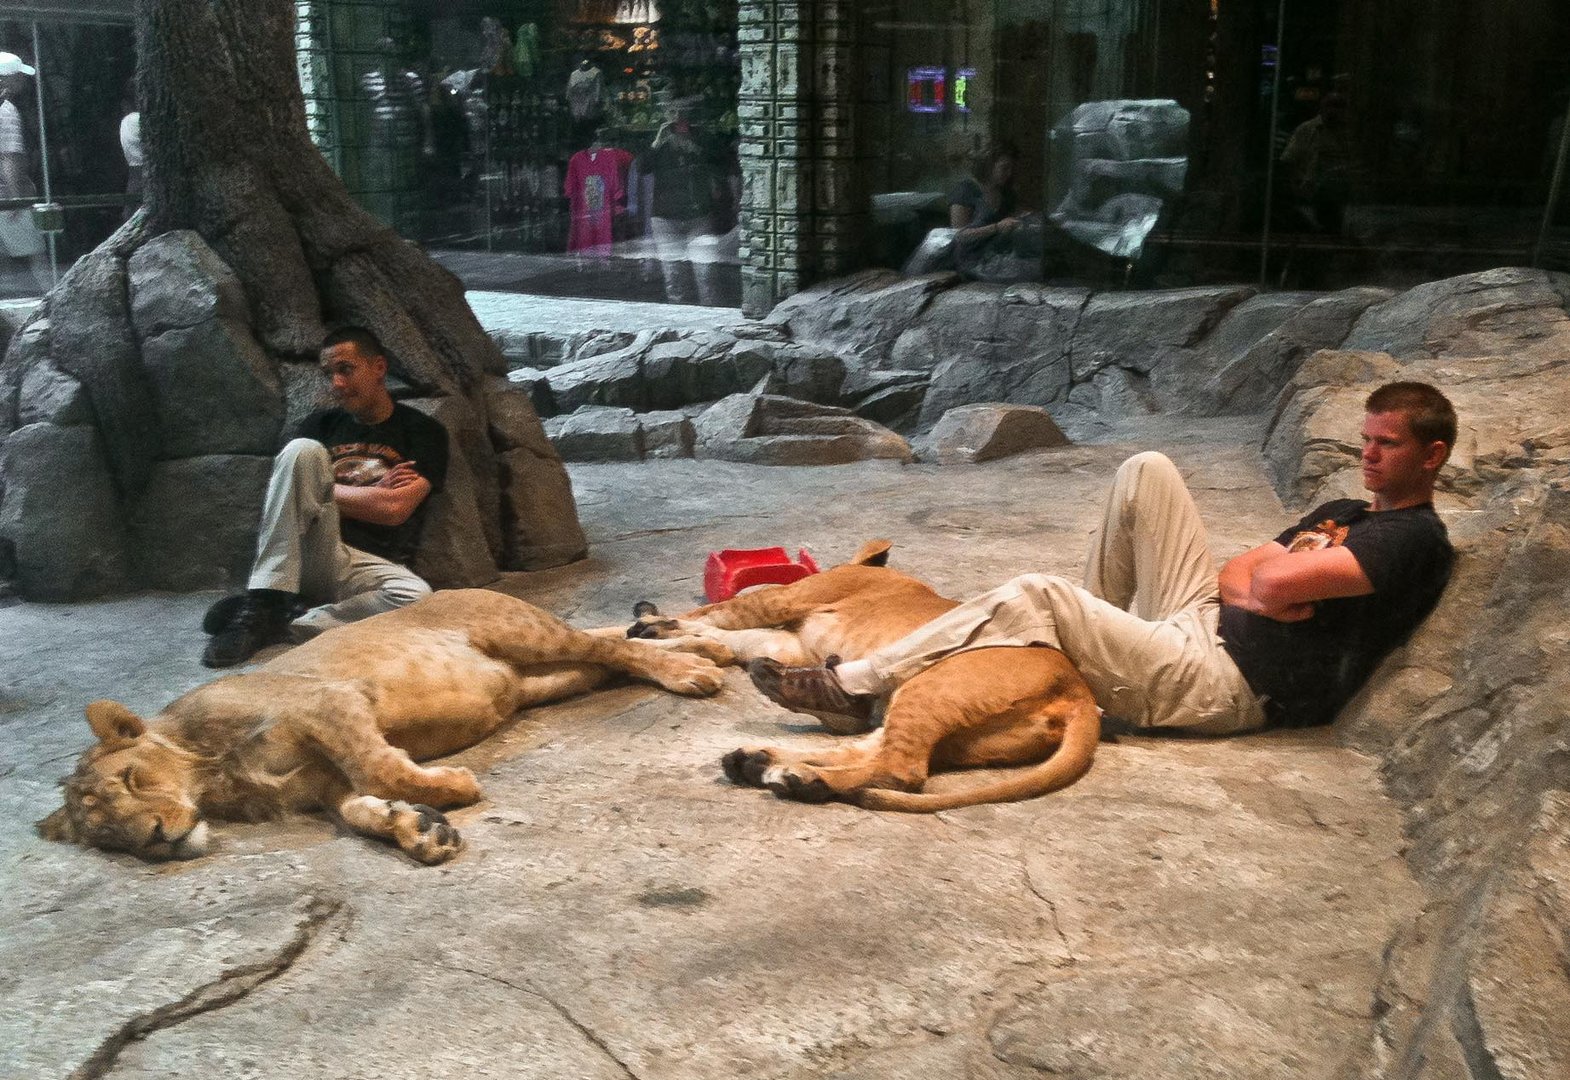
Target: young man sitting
(1283,636)
(342,515)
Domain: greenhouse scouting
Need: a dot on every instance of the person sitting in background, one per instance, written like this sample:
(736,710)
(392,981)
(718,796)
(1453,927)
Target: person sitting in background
(371,462)
(992,240)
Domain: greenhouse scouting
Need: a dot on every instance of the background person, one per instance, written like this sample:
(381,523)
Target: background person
(19,237)
(343,512)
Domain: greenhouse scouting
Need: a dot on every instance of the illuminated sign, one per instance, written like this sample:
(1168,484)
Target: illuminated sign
(962,80)
(926,89)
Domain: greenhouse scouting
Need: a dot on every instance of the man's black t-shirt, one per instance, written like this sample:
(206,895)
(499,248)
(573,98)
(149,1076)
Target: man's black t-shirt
(1305,671)
(363,453)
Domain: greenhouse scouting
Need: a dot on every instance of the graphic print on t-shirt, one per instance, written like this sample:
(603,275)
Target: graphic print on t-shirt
(363,464)
(1327,534)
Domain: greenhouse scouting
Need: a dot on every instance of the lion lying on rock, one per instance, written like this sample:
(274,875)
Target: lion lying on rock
(339,722)
(978,709)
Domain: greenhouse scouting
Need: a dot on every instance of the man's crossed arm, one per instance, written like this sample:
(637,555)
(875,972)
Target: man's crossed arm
(1284,585)
(389,501)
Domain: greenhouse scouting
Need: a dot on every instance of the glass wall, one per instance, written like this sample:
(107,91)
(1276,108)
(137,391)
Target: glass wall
(1179,142)
(64,93)
(566,147)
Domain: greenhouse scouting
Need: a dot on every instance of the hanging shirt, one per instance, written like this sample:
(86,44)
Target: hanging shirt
(594,187)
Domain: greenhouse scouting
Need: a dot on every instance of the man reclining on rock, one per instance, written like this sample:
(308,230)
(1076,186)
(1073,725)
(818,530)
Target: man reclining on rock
(342,515)
(1283,637)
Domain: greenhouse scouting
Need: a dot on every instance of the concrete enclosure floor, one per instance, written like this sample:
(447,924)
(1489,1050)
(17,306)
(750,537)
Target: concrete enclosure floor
(1192,909)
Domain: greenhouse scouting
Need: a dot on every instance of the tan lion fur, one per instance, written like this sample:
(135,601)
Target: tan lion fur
(992,708)
(339,723)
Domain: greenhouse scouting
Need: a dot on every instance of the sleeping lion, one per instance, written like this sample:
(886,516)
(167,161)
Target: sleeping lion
(983,708)
(339,722)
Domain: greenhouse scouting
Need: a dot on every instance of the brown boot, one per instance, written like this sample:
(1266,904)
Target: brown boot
(813,690)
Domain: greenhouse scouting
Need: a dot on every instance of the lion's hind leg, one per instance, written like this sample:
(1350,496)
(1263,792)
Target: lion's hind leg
(420,831)
(545,640)
(836,772)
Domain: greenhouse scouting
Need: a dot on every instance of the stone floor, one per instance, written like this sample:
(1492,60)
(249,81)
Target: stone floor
(1192,909)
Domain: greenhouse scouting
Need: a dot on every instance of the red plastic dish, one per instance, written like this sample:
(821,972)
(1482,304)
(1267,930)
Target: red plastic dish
(728,572)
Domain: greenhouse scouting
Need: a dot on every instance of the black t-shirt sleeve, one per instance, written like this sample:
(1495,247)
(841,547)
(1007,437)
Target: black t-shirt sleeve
(1393,550)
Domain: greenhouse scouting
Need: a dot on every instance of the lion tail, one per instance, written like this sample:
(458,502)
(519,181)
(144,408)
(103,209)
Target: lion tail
(1070,761)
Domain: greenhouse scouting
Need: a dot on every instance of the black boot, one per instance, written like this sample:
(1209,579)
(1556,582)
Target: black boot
(260,619)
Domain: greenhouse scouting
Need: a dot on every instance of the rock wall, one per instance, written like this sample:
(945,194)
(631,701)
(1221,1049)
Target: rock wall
(1471,719)
(902,352)
(139,416)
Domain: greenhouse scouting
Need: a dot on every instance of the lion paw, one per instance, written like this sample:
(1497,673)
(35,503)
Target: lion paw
(692,676)
(745,765)
(424,833)
(789,784)
(456,786)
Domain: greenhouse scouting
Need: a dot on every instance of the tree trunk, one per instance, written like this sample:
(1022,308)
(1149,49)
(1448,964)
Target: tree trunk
(156,380)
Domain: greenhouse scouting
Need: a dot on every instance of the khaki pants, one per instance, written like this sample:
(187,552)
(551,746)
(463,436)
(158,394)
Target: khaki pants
(1142,630)
(299,549)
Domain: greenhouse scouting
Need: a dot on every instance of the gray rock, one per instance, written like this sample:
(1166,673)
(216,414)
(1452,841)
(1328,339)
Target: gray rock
(511,420)
(177,282)
(60,516)
(975,433)
(49,395)
(91,339)
(614,378)
(455,550)
(597,433)
(1511,309)
(991,343)
(859,317)
(214,390)
(1251,378)
(1136,330)
(539,516)
(217,498)
(806,372)
(472,453)
(767,430)
(534,383)
(677,373)
(667,434)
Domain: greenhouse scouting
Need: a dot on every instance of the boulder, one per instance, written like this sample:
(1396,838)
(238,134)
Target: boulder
(214,390)
(614,378)
(60,518)
(49,395)
(539,517)
(992,343)
(976,433)
(859,317)
(766,430)
(597,433)
(667,434)
(1252,372)
(217,497)
(1139,330)
(471,454)
(1507,310)
(177,282)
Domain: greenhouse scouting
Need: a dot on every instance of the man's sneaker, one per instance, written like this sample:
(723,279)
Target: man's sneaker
(257,623)
(814,690)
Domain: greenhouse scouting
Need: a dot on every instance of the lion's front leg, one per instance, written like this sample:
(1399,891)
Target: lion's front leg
(420,831)
(742,645)
(342,726)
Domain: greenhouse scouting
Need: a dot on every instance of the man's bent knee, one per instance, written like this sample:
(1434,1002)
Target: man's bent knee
(403,592)
(303,456)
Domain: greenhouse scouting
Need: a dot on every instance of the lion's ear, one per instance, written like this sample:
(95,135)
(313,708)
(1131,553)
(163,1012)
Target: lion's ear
(873,553)
(59,827)
(113,722)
